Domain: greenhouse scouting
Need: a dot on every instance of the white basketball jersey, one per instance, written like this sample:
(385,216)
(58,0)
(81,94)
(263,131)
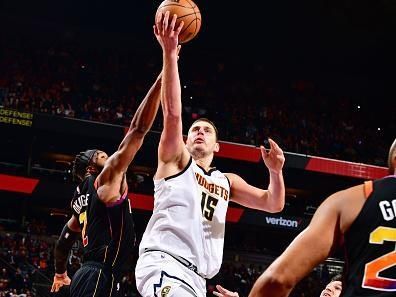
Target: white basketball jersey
(189,217)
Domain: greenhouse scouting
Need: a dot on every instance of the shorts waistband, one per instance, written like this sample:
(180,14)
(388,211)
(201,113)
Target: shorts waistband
(181,260)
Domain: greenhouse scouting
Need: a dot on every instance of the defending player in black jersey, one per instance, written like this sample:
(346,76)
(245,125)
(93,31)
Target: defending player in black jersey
(364,218)
(101,211)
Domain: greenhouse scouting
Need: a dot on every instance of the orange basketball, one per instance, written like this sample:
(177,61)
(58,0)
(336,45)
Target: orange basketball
(186,11)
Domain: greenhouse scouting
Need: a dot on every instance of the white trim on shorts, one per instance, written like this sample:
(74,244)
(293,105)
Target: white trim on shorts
(164,273)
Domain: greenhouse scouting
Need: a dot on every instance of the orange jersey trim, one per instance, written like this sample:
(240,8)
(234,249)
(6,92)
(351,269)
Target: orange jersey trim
(368,188)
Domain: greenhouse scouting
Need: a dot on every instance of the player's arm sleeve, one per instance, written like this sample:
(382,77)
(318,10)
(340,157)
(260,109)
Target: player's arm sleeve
(64,244)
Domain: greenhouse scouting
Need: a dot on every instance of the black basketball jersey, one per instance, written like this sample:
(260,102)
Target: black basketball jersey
(370,243)
(107,232)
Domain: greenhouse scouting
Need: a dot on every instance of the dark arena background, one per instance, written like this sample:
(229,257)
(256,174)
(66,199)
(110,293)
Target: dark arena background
(316,76)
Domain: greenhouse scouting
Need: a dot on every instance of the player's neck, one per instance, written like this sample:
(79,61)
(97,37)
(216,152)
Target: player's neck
(204,162)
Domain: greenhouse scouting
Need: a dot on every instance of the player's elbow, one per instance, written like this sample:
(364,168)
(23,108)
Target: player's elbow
(138,132)
(281,281)
(140,127)
(172,122)
(275,202)
(280,284)
(277,207)
(274,207)
(172,114)
(271,282)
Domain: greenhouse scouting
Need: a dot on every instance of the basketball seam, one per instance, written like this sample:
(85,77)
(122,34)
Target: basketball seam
(187,27)
(171,4)
(182,16)
(196,25)
(179,17)
(192,6)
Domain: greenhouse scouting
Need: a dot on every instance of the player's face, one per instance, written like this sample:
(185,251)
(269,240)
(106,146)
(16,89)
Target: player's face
(101,158)
(333,289)
(202,138)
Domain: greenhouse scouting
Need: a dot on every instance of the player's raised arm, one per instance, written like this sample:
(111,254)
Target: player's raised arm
(171,148)
(117,164)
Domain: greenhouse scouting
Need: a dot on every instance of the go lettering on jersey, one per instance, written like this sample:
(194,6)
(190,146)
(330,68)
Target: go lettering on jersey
(372,278)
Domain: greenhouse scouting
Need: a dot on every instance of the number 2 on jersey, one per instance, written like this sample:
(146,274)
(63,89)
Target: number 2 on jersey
(84,220)
(371,278)
(208,205)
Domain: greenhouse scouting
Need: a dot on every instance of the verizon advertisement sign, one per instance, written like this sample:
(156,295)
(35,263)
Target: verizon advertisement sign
(283,222)
(256,217)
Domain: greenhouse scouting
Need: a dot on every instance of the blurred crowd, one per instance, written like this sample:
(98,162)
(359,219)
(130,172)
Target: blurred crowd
(106,85)
(24,256)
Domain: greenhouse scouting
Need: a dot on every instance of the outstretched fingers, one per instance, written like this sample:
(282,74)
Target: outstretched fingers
(179,28)
(222,292)
(264,152)
(172,24)
(158,22)
(167,29)
(165,23)
(273,158)
(274,146)
(276,150)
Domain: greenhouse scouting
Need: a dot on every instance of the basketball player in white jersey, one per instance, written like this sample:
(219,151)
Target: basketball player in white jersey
(183,241)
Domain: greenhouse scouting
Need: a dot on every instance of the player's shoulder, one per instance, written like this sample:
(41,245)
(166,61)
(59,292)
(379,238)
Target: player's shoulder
(345,196)
(231,176)
(353,190)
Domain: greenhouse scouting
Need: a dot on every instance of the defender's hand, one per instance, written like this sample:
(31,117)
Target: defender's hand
(60,280)
(224,292)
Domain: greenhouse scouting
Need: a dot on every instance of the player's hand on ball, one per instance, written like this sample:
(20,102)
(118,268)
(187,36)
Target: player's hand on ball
(186,11)
(165,31)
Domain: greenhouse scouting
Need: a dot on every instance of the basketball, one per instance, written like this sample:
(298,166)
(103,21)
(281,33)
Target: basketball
(186,11)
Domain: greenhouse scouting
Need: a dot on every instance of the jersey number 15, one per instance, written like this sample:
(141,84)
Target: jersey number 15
(208,205)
